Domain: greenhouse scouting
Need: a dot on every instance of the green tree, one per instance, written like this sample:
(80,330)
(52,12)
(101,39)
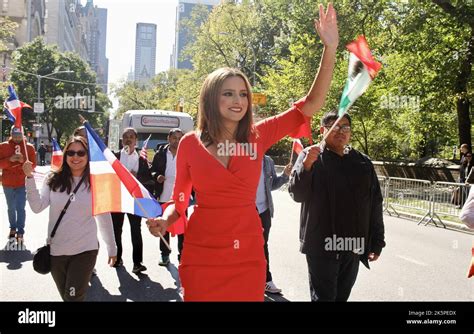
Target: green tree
(64,95)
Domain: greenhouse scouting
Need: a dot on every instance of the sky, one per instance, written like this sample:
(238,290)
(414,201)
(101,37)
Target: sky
(122,17)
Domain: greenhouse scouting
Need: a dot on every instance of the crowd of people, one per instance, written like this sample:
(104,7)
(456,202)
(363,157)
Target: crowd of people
(223,253)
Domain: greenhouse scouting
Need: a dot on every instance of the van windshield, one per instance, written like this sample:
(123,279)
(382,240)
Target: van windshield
(155,140)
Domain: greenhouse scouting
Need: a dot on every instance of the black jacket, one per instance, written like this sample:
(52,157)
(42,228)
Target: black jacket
(158,167)
(316,191)
(143,174)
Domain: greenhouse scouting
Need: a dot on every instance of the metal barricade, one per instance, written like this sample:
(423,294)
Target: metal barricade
(448,198)
(411,196)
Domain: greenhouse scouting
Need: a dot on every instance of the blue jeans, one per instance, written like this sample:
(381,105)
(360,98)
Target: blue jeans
(16,201)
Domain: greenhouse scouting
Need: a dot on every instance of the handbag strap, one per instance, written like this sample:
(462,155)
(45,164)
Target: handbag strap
(53,232)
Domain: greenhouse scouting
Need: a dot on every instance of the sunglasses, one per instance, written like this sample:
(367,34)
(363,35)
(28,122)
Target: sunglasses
(71,153)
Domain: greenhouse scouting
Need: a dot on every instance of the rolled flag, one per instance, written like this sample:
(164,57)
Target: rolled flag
(57,156)
(13,107)
(297,146)
(143,151)
(113,187)
(362,70)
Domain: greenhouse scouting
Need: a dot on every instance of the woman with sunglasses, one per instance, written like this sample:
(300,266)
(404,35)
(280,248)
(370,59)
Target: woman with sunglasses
(75,246)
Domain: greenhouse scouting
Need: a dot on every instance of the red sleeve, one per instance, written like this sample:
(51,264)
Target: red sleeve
(4,160)
(291,122)
(182,184)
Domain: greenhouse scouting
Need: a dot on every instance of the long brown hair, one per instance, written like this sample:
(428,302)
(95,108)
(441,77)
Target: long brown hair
(209,118)
(62,178)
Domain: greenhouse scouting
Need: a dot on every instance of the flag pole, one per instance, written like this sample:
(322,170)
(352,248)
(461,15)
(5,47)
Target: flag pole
(146,213)
(24,143)
(292,150)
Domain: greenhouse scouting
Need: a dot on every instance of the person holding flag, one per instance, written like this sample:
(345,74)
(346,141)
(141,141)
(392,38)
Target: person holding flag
(223,257)
(138,167)
(13,153)
(74,246)
(340,196)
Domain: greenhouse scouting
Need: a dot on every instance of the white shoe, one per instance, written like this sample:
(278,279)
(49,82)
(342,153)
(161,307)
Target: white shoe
(271,287)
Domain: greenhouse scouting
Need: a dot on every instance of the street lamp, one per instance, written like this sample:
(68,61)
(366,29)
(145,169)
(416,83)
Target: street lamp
(39,77)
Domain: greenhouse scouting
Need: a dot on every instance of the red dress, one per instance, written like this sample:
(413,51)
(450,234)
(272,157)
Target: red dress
(223,257)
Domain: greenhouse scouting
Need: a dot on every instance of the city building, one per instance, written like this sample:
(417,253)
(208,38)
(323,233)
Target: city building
(182,38)
(145,52)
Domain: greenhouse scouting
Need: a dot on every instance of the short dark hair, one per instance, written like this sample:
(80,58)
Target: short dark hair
(130,130)
(331,116)
(174,130)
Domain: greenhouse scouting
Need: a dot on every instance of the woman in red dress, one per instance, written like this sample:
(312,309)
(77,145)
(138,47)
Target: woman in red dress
(223,257)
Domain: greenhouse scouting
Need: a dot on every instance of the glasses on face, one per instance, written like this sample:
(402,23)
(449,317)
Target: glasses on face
(71,153)
(343,128)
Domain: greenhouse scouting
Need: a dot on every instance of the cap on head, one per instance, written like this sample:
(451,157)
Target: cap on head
(16,131)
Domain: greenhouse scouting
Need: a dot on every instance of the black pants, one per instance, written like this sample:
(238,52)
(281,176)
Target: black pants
(266,219)
(136,232)
(42,160)
(332,279)
(72,274)
(165,251)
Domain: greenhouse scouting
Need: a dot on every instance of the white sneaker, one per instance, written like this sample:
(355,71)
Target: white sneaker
(271,287)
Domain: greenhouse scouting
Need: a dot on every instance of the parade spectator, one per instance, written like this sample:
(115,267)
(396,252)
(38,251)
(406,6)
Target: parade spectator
(138,166)
(163,171)
(42,154)
(75,245)
(269,181)
(12,156)
(223,257)
(341,202)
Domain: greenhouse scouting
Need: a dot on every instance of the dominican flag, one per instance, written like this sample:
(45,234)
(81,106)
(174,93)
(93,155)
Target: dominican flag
(297,146)
(362,70)
(13,107)
(114,188)
(143,151)
(57,156)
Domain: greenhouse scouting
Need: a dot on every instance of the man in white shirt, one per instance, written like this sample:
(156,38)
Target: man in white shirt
(138,166)
(163,171)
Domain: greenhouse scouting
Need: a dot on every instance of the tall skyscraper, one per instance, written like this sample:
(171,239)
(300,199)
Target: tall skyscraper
(145,52)
(103,65)
(183,11)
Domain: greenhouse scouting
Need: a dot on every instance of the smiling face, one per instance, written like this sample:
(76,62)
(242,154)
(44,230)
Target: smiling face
(233,99)
(76,163)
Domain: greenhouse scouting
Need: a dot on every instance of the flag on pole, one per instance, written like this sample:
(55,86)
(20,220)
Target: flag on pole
(57,156)
(297,146)
(13,107)
(362,70)
(113,187)
(143,151)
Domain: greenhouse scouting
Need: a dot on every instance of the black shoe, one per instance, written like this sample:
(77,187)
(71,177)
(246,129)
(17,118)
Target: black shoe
(138,268)
(118,263)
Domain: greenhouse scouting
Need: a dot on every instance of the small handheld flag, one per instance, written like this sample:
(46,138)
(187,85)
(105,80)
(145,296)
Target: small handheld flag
(13,107)
(362,70)
(143,151)
(57,156)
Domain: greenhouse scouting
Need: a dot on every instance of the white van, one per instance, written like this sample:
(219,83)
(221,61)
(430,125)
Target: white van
(157,123)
